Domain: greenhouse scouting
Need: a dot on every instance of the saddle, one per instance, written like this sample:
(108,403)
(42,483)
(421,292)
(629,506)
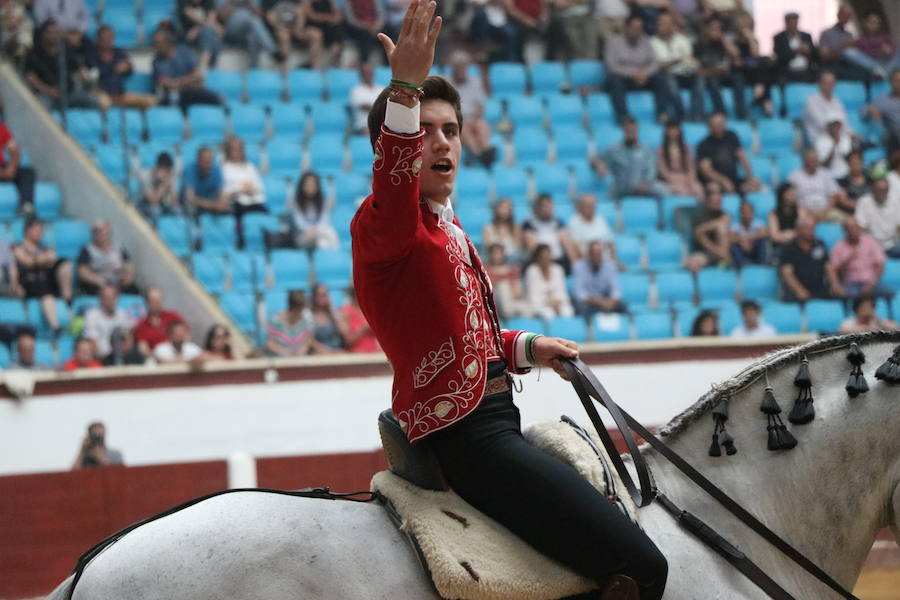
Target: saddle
(468,555)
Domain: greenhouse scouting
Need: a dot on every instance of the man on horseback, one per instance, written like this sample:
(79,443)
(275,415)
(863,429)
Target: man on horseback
(428,299)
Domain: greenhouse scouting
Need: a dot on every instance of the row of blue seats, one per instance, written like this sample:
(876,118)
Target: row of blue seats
(49,353)
(47,200)
(66,236)
(28,312)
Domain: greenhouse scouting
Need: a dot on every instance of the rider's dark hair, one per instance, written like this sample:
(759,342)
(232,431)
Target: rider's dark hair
(433,88)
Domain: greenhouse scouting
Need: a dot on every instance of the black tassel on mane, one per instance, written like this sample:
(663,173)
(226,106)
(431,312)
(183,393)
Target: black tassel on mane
(889,371)
(804,411)
(779,438)
(856,383)
(721,438)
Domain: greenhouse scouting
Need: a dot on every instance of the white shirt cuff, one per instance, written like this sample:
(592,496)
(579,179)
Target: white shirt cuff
(519,350)
(401,119)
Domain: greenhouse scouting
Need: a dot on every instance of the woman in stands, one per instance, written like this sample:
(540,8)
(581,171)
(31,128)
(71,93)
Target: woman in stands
(243,184)
(329,333)
(507,281)
(311,215)
(218,343)
(545,282)
(42,273)
(783,220)
(705,324)
(675,163)
(504,230)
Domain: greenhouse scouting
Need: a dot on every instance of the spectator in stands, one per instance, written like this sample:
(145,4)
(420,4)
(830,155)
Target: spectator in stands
(243,184)
(865,319)
(836,40)
(42,273)
(875,52)
(73,18)
(103,261)
(817,191)
(823,105)
(9,272)
(502,229)
(290,332)
(706,324)
(796,56)
(363,21)
(363,96)
(177,75)
(878,213)
(476,135)
(887,110)
(719,60)
(159,189)
(833,147)
(151,330)
(201,28)
(757,69)
(783,220)
(114,68)
(631,164)
(218,344)
(595,283)
(491,31)
(675,163)
(93,452)
(123,350)
(245,26)
(675,55)
(587,225)
(506,279)
(569,26)
(178,347)
(325,15)
(609,20)
(12,170)
(804,267)
(857,181)
(718,156)
(893,174)
(42,72)
(359,336)
(749,238)
(631,65)
(204,186)
(544,228)
(545,283)
(329,334)
(311,215)
(711,237)
(527,18)
(82,356)
(26,358)
(16,30)
(858,262)
(286,20)
(100,321)
(754,326)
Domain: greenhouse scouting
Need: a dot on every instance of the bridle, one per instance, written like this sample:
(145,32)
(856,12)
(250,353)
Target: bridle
(588,387)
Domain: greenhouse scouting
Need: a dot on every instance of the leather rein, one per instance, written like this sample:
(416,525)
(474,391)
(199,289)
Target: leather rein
(588,387)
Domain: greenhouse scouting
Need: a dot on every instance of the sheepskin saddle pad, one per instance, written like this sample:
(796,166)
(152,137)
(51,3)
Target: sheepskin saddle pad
(472,557)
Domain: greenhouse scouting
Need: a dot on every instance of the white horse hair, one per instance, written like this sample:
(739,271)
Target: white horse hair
(828,497)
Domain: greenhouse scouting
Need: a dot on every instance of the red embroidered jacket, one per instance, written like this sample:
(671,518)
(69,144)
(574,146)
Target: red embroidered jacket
(430,307)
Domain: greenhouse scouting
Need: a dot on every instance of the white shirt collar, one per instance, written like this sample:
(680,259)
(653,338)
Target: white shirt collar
(443,211)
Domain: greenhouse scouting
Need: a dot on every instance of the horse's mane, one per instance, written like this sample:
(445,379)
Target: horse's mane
(773,361)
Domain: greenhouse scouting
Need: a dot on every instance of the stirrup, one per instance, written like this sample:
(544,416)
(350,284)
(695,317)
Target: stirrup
(621,587)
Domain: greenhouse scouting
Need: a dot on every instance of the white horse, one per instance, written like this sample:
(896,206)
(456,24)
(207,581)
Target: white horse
(828,497)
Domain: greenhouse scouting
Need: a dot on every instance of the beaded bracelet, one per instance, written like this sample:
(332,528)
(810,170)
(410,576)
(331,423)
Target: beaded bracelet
(403,84)
(405,93)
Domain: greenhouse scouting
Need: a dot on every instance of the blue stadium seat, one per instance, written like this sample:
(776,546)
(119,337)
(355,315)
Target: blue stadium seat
(275,301)
(65,347)
(570,328)
(674,287)
(207,121)
(13,311)
(763,203)
(36,316)
(776,136)
(665,251)
(241,307)
(511,182)
(744,131)
(124,23)
(585,73)
(571,144)
(531,145)
(16,230)
(629,251)
(785,317)
(276,194)
(731,204)
(650,134)
(694,133)
(5,358)
(265,86)
(525,111)
(81,304)
(895,306)
(759,283)
(716,284)
(607,135)
(248,271)
(43,353)
(165,123)
(600,110)
(883,308)
(608,211)
(823,316)
(351,188)
(210,271)
(551,179)
(795,97)
(586,179)
(684,320)
(69,237)
(493,110)
(217,233)
(305,85)
(340,219)
(153,16)
(852,94)
(125,125)
(763,169)
(641,106)
(473,219)
(635,289)
(547,78)
(329,117)
(339,82)
(672,203)
(289,120)
(284,156)
(787,164)
(829,233)
(85,126)
(248,122)
(290,269)
(891,277)
(140,83)
(729,315)
(507,79)
(9,201)
(47,200)
(361,154)
(326,152)
(526,324)
(255,226)
(175,231)
(112,160)
(383,74)
(565,110)
(639,215)
(611,328)
(229,84)
(332,267)
(653,325)
(473,186)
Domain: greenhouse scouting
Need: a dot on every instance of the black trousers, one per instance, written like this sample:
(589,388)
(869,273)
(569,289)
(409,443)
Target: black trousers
(543,500)
(24,182)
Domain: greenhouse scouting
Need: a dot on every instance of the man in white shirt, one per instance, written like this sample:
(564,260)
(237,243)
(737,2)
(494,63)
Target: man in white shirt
(753,326)
(879,214)
(100,321)
(675,55)
(833,146)
(363,96)
(822,106)
(178,348)
(586,225)
(817,192)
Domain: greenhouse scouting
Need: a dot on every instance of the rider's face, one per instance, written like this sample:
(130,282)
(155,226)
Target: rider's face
(441,150)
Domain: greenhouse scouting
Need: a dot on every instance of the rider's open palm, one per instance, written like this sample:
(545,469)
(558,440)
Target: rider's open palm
(413,54)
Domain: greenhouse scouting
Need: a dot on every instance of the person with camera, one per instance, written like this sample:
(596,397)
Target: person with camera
(94,451)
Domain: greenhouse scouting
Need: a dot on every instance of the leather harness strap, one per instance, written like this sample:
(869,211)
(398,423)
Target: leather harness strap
(587,386)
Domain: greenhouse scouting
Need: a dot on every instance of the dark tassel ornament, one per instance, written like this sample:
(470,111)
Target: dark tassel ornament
(803,411)
(889,371)
(769,404)
(779,438)
(721,438)
(714,449)
(856,383)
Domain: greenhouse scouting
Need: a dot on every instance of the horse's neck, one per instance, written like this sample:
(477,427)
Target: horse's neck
(830,495)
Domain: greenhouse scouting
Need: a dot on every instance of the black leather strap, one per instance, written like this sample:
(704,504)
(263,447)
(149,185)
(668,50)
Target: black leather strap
(586,386)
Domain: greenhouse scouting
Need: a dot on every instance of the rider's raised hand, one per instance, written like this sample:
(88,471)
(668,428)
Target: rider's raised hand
(413,54)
